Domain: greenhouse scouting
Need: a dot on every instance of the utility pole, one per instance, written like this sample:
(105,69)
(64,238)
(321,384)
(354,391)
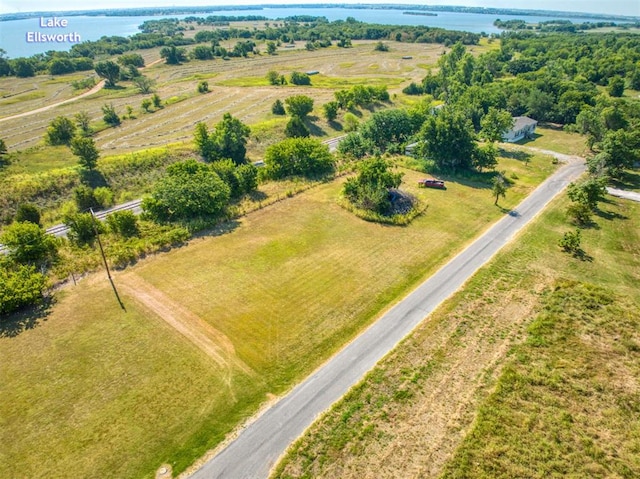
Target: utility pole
(104,259)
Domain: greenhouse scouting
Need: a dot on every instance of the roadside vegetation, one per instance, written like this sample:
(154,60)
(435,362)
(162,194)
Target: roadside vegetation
(184,134)
(261,272)
(533,366)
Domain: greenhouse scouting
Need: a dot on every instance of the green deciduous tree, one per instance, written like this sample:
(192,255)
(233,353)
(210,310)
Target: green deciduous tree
(616,87)
(588,192)
(146,104)
(448,140)
(298,157)
(388,129)
(495,124)
(86,151)
(83,122)
(28,212)
(20,286)
(85,198)
(189,190)
(202,52)
(229,139)
(60,131)
(123,223)
(485,157)
(173,55)
(351,122)
(109,115)
(299,78)
(580,213)
(28,243)
(277,108)
(143,83)
(110,71)
(381,47)
(131,59)
(271,48)
(273,77)
(299,105)
(23,68)
(369,190)
(83,228)
(203,87)
(571,242)
(247,175)
(355,146)
(621,150)
(296,128)
(330,110)
(498,187)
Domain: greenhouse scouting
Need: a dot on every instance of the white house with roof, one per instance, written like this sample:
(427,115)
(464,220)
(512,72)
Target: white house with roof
(523,127)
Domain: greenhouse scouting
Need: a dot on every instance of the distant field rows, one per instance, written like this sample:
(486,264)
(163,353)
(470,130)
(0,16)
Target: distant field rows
(176,121)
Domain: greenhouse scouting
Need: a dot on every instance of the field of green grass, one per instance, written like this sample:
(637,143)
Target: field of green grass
(530,371)
(227,80)
(259,304)
(550,137)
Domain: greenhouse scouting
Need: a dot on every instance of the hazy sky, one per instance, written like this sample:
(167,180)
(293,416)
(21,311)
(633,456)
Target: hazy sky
(621,7)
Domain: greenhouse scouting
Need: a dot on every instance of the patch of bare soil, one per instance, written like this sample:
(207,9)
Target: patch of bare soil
(201,334)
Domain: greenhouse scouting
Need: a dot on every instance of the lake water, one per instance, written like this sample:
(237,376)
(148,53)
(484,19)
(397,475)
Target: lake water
(25,37)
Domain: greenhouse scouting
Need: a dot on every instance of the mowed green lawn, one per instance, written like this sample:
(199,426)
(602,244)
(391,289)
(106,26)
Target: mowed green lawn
(92,391)
(531,370)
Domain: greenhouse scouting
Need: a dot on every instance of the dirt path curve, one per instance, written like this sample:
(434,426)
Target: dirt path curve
(95,89)
(208,339)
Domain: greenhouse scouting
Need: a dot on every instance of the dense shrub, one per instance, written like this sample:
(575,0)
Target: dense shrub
(190,189)
(28,212)
(60,131)
(299,78)
(83,228)
(19,287)
(298,157)
(28,243)
(123,223)
(370,189)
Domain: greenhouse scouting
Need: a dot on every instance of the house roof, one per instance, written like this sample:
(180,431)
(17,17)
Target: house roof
(519,122)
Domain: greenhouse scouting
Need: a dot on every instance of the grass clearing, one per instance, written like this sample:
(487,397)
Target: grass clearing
(38,159)
(34,95)
(286,285)
(557,395)
(238,86)
(554,138)
(87,396)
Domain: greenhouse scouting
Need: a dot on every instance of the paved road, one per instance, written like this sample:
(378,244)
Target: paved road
(627,195)
(260,444)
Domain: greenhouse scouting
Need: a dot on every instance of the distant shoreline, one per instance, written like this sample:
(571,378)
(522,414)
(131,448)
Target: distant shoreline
(175,10)
(425,14)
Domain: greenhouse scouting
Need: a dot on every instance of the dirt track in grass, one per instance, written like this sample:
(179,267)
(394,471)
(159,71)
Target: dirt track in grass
(205,337)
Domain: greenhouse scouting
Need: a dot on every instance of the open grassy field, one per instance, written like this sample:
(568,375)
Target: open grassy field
(18,95)
(228,80)
(554,138)
(215,329)
(545,346)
